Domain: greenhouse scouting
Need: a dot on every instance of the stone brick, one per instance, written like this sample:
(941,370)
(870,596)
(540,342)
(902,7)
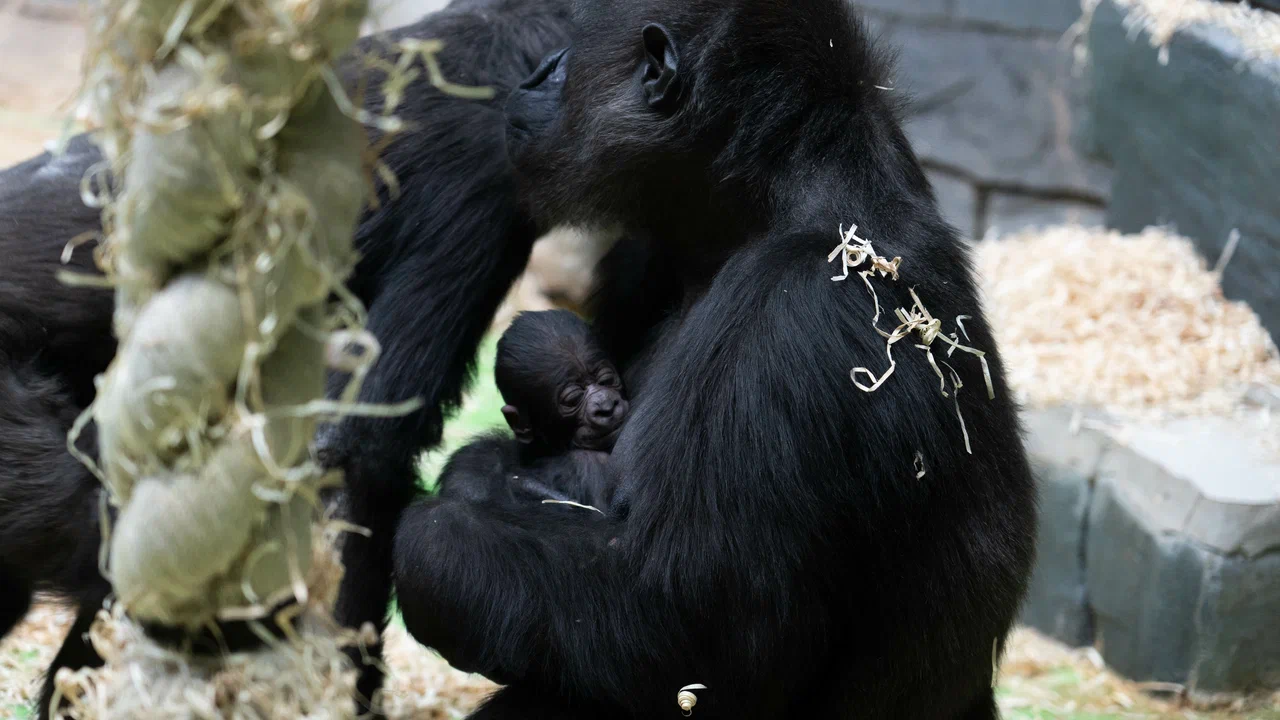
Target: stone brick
(957,199)
(1182,567)
(998,108)
(1144,589)
(906,8)
(1239,632)
(1064,464)
(1048,16)
(1008,213)
(1194,144)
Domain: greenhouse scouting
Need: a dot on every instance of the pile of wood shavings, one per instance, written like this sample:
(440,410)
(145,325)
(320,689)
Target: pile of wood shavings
(419,686)
(1257,30)
(422,686)
(1132,324)
(25,651)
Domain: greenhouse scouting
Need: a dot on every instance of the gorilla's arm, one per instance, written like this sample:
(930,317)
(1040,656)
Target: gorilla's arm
(484,584)
(440,260)
(432,308)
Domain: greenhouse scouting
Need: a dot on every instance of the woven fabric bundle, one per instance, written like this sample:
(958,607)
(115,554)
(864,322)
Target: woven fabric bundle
(230,194)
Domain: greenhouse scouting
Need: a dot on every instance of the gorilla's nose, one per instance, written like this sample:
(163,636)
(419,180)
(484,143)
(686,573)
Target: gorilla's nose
(602,408)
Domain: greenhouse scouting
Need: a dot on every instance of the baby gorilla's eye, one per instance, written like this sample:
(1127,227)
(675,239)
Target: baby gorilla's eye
(571,396)
(608,378)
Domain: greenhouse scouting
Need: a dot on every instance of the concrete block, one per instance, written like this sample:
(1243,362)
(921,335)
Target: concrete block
(906,8)
(957,199)
(1183,557)
(1047,16)
(1194,145)
(1065,464)
(998,108)
(1239,623)
(1009,213)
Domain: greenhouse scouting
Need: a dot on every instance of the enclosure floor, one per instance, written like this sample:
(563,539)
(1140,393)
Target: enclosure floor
(1040,680)
(421,685)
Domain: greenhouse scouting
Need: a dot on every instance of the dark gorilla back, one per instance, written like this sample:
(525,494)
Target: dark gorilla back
(775,543)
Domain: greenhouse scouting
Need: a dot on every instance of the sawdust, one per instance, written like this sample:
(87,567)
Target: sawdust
(1037,673)
(420,685)
(1135,325)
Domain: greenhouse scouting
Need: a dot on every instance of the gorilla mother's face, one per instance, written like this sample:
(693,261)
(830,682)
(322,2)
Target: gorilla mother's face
(597,122)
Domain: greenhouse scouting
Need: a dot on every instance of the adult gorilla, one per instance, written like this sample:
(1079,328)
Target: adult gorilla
(436,261)
(776,543)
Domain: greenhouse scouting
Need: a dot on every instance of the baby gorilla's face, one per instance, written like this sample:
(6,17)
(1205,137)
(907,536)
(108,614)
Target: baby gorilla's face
(593,401)
(562,390)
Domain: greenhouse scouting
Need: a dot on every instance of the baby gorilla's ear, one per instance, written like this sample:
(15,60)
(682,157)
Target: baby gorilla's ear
(519,423)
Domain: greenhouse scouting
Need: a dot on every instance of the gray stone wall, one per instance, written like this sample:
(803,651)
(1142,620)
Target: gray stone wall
(997,109)
(1195,145)
(1161,549)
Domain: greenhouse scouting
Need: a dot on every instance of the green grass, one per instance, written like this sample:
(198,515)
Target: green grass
(481,410)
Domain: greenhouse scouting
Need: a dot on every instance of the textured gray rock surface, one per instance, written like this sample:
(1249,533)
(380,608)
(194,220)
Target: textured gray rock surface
(1162,550)
(957,199)
(1194,144)
(934,9)
(1010,213)
(999,108)
(1044,16)
(1065,463)
(995,107)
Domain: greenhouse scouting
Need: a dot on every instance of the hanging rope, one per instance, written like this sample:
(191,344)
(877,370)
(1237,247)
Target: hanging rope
(231,190)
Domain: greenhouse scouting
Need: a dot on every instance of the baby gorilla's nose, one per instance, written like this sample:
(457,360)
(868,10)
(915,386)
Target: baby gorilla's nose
(603,406)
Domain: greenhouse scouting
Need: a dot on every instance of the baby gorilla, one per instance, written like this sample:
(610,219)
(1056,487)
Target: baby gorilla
(565,404)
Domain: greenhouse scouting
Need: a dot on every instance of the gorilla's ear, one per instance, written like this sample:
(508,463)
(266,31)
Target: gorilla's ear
(662,71)
(519,423)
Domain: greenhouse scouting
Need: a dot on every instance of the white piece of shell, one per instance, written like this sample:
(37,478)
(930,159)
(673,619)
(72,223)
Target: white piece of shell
(686,699)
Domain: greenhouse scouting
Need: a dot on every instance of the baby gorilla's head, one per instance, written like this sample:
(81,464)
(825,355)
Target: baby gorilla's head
(561,391)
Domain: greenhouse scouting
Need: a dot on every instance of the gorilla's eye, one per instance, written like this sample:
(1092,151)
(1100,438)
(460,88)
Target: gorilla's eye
(608,378)
(571,396)
(551,69)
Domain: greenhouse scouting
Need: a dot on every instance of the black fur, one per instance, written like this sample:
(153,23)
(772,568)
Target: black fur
(436,261)
(776,544)
(491,470)
(566,404)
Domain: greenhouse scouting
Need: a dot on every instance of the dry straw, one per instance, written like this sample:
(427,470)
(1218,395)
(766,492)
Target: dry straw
(856,252)
(1136,325)
(305,676)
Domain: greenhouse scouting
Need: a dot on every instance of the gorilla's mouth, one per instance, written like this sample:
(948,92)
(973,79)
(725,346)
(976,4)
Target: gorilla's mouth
(600,437)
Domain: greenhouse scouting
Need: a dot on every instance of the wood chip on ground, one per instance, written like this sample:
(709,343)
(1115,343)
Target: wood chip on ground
(1135,325)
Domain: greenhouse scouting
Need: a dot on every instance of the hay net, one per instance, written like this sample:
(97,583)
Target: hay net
(231,187)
